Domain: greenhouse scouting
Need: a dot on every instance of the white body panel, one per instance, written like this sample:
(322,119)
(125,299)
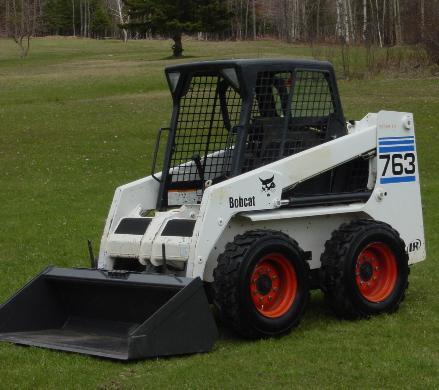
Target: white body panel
(129,200)
(241,203)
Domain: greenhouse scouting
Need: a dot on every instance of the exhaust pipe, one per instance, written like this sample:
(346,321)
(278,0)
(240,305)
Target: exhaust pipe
(117,315)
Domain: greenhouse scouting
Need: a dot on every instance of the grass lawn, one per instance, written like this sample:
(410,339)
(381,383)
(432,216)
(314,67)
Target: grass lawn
(79,117)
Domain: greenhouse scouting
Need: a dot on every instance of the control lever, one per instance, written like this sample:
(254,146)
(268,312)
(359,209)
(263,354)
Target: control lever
(197,160)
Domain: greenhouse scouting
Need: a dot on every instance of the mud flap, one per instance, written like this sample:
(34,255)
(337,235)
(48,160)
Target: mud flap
(110,314)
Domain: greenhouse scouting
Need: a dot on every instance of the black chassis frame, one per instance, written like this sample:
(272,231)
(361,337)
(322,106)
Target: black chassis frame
(246,71)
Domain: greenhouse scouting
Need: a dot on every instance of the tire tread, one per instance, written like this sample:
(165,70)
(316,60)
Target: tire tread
(226,279)
(332,272)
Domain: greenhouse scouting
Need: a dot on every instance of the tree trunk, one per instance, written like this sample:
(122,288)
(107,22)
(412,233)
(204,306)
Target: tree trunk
(122,20)
(254,19)
(384,22)
(318,21)
(89,19)
(338,26)
(246,20)
(80,18)
(86,18)
(177,47)
(397,19)
(351,21)
(378,24)
(364,20)
(73,18)
(24,47)
(240,21)
(347,31)
(125,35)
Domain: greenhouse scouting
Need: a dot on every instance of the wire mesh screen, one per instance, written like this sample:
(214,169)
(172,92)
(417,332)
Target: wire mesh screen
(312,96)
(271,94)
(358,173)
(311,110)
(204,136)
(268,119)
(291,113)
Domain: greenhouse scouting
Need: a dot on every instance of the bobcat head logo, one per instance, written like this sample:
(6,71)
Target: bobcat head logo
(268,185)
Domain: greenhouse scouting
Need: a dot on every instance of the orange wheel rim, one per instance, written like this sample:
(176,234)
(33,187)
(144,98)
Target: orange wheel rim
(273,285)
(376,272)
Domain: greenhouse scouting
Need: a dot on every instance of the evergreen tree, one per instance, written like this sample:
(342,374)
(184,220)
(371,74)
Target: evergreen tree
(58,17)
(63,17)
(176,17)
(101,21)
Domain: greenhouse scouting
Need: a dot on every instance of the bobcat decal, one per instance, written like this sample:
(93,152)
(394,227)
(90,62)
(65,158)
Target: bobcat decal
(268,185)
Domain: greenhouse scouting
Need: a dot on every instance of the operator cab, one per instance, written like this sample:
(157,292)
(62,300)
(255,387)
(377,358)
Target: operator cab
(230,117)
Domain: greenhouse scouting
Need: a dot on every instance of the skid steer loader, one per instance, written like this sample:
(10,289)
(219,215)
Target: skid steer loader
(265,193)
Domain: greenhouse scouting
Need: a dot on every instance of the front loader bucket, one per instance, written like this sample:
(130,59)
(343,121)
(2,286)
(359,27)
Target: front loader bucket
(111,314)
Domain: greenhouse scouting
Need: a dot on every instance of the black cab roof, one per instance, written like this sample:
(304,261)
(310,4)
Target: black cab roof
(260,64)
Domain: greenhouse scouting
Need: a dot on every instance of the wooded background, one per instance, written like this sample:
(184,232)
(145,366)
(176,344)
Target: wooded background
(372,22)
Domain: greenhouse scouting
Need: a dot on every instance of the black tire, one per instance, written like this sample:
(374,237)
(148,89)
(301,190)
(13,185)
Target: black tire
(246,273)
(364,269)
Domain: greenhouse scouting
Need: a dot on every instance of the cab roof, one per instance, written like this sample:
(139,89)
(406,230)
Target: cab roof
(245,72)
(265,64)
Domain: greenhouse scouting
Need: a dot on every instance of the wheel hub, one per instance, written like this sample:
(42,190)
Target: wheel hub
(376,272)
(264,284)
(273,285)
(366,271)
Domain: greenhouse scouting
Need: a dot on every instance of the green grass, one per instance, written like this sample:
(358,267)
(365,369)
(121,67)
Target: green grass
(79,117)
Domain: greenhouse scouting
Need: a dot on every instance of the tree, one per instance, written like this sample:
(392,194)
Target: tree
(118,10)
(22,21)
(174,18)
(100,21)
(431,31)
(58,16)
(88,18)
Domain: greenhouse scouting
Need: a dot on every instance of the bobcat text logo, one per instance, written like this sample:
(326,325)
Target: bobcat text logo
(414,246)
(235,203)
(268,185)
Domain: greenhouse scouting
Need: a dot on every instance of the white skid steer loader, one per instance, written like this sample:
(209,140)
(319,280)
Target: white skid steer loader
(265,193)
